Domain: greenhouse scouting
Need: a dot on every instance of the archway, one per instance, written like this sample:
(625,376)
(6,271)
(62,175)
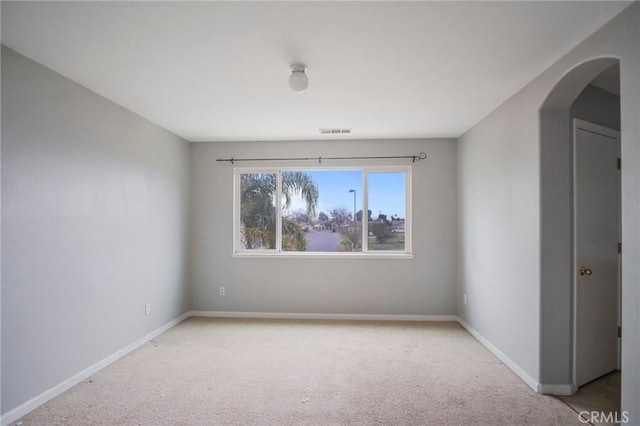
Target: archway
(556,236)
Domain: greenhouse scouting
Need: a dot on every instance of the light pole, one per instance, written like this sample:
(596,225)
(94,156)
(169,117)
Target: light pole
(354,208)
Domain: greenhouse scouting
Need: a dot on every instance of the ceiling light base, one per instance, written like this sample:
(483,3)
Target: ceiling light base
(298,80)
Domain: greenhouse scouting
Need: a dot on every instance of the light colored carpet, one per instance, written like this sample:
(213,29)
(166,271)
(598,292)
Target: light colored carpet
(285,372)
(602,395)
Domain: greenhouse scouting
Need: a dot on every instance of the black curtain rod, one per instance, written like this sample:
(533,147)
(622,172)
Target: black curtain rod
(413,158)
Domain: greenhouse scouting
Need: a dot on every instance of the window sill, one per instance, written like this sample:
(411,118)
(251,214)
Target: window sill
(403,256)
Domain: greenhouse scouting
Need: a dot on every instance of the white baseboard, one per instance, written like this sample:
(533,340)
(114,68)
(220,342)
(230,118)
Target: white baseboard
(355,317)
(32,404)
(561,390)
(530,381)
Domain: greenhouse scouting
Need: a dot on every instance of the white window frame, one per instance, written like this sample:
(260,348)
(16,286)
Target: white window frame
(239,251)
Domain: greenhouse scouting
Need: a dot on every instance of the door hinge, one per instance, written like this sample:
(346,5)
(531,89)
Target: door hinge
(619,248)
(619,164)
(619,331)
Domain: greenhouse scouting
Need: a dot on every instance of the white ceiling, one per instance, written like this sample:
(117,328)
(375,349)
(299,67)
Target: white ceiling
(217,71)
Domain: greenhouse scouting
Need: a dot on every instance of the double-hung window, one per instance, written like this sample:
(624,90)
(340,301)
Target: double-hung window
(340,211)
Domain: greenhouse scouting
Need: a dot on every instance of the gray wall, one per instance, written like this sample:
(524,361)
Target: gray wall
(424,285)
(597,106)
(94,225)
(501,166)
(568,101)
(0,235)
(499,230)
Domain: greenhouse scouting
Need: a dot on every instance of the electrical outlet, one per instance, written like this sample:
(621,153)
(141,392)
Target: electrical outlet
(147,308)
(464,299)
(221,291)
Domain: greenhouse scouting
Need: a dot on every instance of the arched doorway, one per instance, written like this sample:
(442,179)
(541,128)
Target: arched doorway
(556,239)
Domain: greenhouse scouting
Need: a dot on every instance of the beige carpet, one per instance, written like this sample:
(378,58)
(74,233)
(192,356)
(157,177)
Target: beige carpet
(270,372)
(602,395)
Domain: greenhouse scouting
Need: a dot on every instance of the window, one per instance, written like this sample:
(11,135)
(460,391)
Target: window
(258,211)
(320,211)
(387,194)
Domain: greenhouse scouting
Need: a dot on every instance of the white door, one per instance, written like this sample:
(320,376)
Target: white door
(596,233)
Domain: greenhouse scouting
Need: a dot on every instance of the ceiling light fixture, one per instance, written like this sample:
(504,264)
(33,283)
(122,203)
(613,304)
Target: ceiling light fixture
(298,80)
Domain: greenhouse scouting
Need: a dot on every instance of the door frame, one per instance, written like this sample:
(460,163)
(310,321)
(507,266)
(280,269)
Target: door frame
(615,134)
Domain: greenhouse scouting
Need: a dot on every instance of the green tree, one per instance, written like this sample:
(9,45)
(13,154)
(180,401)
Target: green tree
(257,209)
(299,183)
(258,212)
(382,229)
(293,238)
(340,215)
(299,216)
(383,218)
(359,216)
(352,239)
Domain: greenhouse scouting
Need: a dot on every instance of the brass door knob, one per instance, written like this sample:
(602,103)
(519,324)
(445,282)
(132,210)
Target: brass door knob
(585,271)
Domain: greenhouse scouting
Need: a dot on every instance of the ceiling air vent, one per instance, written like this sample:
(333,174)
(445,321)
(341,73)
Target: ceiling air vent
(334,131)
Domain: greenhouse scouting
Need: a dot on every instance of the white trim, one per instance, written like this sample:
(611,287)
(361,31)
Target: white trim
(37,401)
(358,317)
(595,128)
(530,381)
(278,205)
(562,390)
(408,217)
(47,395)
(365,212)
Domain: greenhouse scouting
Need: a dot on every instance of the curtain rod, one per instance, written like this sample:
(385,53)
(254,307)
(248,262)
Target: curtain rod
(413,158)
